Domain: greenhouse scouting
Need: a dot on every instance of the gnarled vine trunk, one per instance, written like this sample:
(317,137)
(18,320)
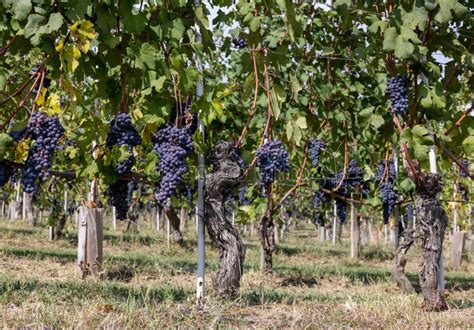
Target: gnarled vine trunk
(433,221)
(219,184)
(174,222)
(266,230)
(399,261)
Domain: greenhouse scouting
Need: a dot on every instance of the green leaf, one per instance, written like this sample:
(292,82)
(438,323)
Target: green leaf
(254,24)
(421,152)
(301,122)
(468,146)
(416,18)
(147,55)
(407,185)
(21,8)
(33,28)
(6,142)
(446,8)
(389,39)
(202,18)
(295,86)
(376,121)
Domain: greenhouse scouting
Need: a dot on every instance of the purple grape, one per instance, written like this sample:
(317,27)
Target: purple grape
(397,90)
(272,158)
(45,132)
(172,145)
(314,150)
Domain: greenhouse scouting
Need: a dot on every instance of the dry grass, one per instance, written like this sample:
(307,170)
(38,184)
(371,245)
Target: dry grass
(315,285)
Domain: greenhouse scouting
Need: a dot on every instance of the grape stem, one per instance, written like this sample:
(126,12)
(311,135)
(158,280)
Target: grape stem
(295,186)
(18,91)
(453,158)
(254,103)
(40,88)
(405,153)
(5,49)
(22,103)
(344,170)
(460,120)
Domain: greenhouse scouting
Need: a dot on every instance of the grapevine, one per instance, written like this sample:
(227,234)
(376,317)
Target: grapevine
(271,159)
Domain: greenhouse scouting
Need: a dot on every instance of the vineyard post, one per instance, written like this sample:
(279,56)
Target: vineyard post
(201,183)
(455,213)
(334,224)
(395,230)
(114,218)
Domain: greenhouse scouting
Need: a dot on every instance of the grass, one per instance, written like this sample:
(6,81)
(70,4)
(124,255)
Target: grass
(315,284)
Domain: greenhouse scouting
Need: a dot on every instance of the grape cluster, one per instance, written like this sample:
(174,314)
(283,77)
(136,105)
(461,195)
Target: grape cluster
(271,159)
(408,216)
(386,174)
(120,194)
(341,210)
(6,171)
(397,90)
(463,191)
(242,198)
(354,175)
(314,150)
(463,174)
(239,43)
(46,132)
(386,170)
(172,145)
(18,135)
(122,133)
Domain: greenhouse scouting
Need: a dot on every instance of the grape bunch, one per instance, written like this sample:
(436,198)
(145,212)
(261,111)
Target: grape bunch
(18,135)
(386,170)
(242,198)
(386,174)
(271,159)
(397,90)
(122,133)
(46,133)
(463,191)
(314,150)
(389,198)
(239,43)
(6,171)
(354,175)
(172,145)
(341,210)
(462,173)
(120,194)
(408,216)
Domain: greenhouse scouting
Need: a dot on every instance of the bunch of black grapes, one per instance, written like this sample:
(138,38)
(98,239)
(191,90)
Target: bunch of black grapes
(172,145)
(45,132)
(462,173)
(314,150)
(463,191)
(120,194)
(18,135)
(123,133)
(6,172)
(408,216)
(397,90)
(386,175)
(272,158)
(239,43)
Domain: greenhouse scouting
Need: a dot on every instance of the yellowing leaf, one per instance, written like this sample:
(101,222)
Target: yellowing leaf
(40,100)
(21,151)
(87,29)
(60,45)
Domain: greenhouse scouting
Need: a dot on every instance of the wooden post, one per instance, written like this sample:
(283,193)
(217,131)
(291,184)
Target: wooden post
(457,246)
(334,225)
(90,240)
(90,252)
(114,218)
(355,232)
(158,219)
(182,223)
(23,207)
(168,232)
(3,209)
